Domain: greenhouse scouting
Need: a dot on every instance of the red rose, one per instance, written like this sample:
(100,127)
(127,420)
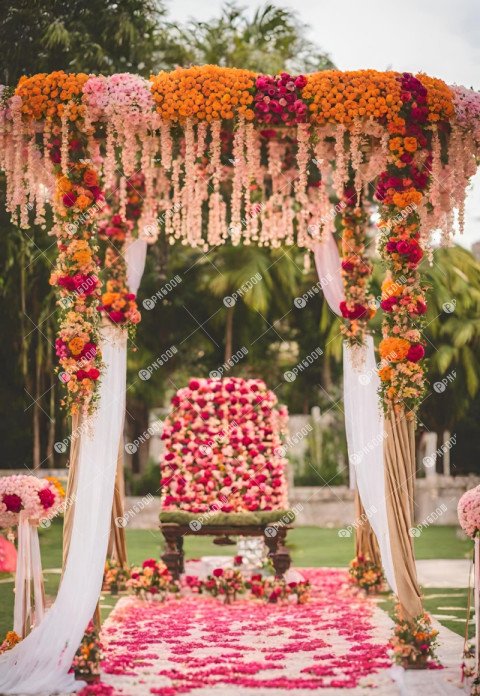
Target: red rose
(149,563)
(218,572)
(13,502)
(421,307)
(403,247)
(69,199)
(194,384)
(415,255)
(415,352)
(358,312)
(348,265)
(47,498)
(117,317)
(388,304)
(238,560)
(93,373)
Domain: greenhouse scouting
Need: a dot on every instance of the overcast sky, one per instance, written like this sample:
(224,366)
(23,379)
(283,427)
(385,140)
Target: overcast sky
(439,37)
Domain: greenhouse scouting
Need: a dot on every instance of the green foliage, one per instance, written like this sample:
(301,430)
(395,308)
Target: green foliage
(95,36)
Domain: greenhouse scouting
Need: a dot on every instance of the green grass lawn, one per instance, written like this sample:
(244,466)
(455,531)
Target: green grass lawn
(442,603)
(309,546)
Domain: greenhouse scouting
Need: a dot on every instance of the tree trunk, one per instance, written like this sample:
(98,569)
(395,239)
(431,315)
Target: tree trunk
(326,373)
(138,442)
(37,445)
(229,334)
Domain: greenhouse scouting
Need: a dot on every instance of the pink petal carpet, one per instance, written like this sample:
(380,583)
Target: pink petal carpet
(197,645)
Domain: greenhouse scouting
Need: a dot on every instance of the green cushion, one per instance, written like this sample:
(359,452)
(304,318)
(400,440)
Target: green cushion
(236,519)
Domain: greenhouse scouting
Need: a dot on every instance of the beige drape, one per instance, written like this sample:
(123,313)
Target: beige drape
(365,540)
(117,545)
(399,455)
(71,489)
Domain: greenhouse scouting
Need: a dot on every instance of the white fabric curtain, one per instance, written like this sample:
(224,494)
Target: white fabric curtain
(28,579)
(328,265)
(40,663)
(365,438)
(363,416)
(135,256)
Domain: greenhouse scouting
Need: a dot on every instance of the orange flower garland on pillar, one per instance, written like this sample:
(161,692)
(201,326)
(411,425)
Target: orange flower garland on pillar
(77,199)
(402,191)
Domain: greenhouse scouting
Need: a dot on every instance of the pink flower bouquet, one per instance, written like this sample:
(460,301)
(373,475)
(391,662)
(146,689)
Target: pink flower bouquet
(34,497)
(469,512)
(223,448)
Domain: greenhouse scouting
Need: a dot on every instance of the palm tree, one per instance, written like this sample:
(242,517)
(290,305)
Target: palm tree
(453,336)
(260,278)
(269,42)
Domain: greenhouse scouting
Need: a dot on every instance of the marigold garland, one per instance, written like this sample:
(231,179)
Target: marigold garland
(402,189)
(46,95)
(208,92)
(406,133)
(343,97)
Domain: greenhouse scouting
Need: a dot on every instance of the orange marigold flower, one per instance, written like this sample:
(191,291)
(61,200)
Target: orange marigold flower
(90,177)
(76,346)
(394,349)
(410,144)
(83,202)
(385,373)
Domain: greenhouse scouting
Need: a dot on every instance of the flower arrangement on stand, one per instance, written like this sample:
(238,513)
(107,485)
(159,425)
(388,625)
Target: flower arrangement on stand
(86,663)
(35,498)
(468,511)
(366,574)
(115,577)
(414,642)
(223,448)
(226,583)
(151,580)
(275,590)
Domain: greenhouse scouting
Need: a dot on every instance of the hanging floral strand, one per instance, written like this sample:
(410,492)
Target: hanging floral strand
(358,306)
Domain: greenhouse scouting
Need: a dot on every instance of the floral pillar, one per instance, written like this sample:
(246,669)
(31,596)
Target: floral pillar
(403,192)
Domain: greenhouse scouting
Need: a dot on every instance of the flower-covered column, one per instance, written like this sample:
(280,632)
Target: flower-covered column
(403,193)
(56,101)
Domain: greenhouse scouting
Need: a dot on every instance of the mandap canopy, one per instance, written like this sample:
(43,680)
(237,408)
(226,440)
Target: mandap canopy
(210,155)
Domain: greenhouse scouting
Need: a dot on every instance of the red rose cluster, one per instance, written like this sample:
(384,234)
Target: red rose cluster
(223,448)
(278,99)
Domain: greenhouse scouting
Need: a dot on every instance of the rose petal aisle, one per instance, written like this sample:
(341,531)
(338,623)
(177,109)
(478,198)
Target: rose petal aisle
(198,645)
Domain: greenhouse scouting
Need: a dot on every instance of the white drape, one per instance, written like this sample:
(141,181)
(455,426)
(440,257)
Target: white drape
(328,265)
(40,663)
(365,437)
(363,416)
(135,256)
(28,579)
